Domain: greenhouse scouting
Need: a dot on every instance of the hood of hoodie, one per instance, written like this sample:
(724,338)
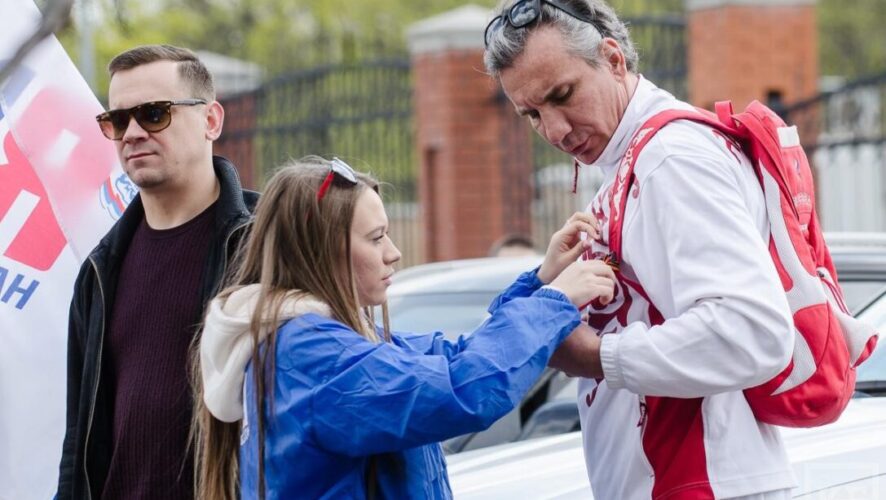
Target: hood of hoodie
(227,345)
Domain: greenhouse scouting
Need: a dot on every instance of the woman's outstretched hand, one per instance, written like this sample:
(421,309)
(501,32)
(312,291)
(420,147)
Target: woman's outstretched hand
(585,281)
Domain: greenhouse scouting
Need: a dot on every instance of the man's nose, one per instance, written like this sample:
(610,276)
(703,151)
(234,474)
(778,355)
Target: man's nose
(556,129)
(133,131)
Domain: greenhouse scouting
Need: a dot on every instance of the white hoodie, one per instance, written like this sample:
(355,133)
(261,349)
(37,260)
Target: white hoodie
(227,345)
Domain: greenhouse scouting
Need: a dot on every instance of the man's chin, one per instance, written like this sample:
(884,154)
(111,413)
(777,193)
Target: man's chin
(588,158)
(146,181)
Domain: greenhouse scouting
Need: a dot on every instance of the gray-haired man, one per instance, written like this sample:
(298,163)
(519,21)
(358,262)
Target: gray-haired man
(661,403)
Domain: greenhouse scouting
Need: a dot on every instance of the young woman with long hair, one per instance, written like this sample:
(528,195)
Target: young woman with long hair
(348,409)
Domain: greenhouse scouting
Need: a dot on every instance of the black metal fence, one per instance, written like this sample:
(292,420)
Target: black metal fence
(844,134)
(361,113)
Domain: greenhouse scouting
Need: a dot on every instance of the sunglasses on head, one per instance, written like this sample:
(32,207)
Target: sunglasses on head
(150,116)
(342,170)
(526,12)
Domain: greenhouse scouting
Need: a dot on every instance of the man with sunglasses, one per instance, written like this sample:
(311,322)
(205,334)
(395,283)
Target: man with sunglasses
(699,314)
(139,298)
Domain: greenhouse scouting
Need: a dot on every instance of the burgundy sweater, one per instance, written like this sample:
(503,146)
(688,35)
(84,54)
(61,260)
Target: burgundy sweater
(156,313)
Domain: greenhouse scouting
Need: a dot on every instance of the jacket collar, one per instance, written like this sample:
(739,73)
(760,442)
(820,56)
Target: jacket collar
(628,125)
(645,103)
(231,208)
(231,205)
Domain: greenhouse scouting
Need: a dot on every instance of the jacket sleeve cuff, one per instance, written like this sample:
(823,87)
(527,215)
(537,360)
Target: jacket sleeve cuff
(550,292)
(524,286)
(609,358)
(532,279)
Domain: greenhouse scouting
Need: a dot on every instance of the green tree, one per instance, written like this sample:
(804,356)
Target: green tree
(280,35)
(285,34)
(852,37)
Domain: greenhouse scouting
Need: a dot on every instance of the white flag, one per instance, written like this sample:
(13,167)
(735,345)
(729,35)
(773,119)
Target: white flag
(61,188)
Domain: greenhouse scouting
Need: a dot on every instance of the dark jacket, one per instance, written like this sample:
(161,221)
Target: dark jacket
(87,447)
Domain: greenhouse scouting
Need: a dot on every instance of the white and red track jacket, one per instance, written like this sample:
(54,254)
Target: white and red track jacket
(669,419)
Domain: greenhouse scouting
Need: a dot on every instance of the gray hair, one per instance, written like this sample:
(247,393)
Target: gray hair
(581,39)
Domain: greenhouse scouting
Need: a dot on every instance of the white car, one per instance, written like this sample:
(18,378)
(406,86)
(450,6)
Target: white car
(844,460)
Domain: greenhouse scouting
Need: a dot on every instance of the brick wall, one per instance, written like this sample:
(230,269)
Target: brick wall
(465,163)
(236,142)
(745,52)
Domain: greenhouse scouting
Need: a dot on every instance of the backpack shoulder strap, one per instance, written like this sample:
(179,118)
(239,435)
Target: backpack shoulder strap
(624,178)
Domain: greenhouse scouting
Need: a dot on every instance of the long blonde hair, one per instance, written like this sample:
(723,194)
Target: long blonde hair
(297,245)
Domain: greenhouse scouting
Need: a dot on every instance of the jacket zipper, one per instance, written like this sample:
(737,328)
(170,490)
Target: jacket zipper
(642,425)
(98,373)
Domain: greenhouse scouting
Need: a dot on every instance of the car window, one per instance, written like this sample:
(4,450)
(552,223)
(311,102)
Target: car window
(858,294)
(557,417)
(453,314)
(874,369)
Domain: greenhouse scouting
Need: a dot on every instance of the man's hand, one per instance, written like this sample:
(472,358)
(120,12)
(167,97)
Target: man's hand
(579,354)
(566,245)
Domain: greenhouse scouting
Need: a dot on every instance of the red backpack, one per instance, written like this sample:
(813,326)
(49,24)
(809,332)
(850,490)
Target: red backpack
(816,385)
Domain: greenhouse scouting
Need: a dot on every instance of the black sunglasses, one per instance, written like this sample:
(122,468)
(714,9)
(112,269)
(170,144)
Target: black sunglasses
(526,12)
(151,116)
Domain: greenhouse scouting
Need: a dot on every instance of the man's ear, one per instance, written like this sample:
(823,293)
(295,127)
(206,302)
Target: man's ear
(613,57)
(215,119)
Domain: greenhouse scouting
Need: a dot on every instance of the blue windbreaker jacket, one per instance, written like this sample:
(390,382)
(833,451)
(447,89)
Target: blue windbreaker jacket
(339,398)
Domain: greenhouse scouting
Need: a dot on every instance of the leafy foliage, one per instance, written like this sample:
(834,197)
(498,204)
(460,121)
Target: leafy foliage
(283,35)
(852,38)
(279,35)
